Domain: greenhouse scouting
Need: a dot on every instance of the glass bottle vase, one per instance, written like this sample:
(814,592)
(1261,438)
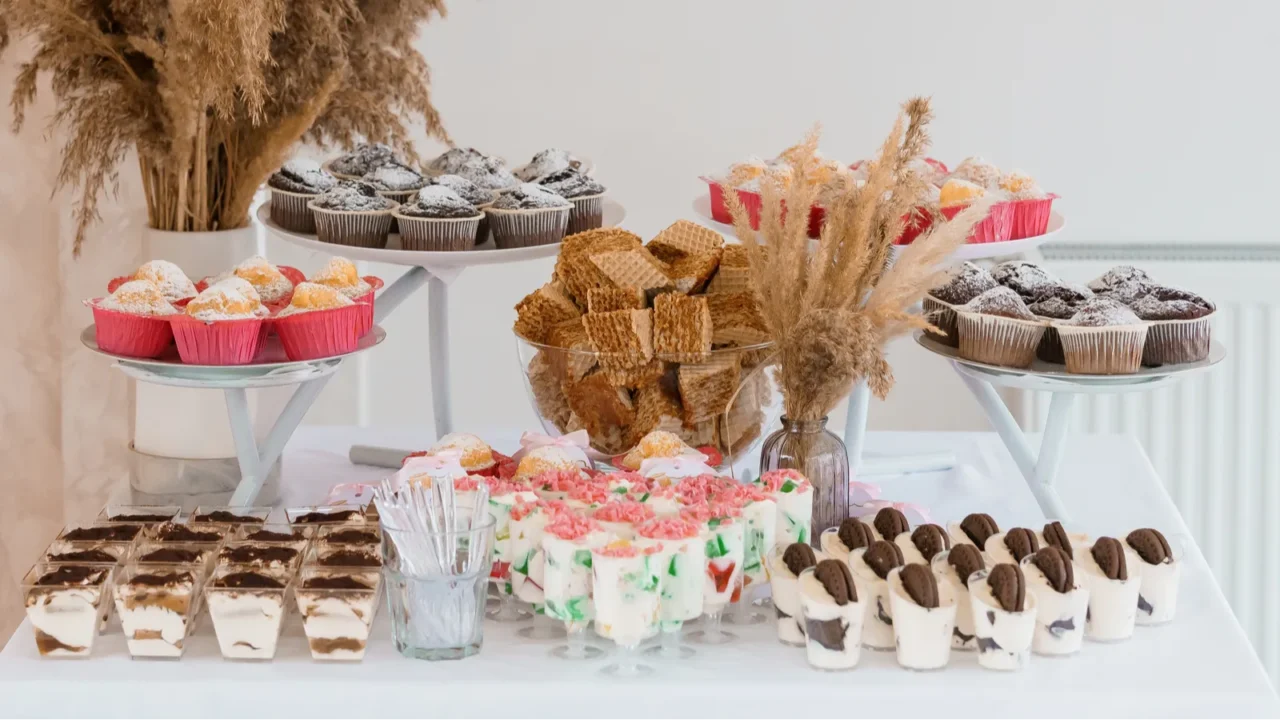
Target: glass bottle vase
(807,446)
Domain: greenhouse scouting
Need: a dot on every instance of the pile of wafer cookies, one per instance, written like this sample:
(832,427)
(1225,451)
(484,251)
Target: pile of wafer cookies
(634,337)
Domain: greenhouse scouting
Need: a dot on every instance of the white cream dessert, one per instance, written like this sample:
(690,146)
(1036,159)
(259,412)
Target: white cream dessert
(502,496)
(785,566)
(528,521)
(954,568)
(247,606)
(1056,535)
(1011,546)
(871,567)
(889,523)
(567,543)
(1063,602)
(974,530)
(851,535)
(63,604)
(157,605)
(725,538)
(761,535)
(924,615)
(1004,617)
(793,494)
(626,585)
(833,615)
(337,609)
(1110,572)
(682,561)
(1160,570)
(923,543)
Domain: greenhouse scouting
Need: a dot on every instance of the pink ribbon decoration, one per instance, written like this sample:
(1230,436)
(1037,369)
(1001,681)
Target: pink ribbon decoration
(444,464)
(861,493)
(575,444)
(350,494)
(676,468)
(916,514)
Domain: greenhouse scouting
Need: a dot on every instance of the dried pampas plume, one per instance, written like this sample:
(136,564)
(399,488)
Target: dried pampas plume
(213,94)
(831,308)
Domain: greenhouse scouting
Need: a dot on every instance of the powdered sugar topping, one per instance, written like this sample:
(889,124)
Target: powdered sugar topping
(1023,277)
(1103,312)
(468,190)
(364,158)
(487,173)
(353,197)
(438,201)
(1000,301)
(1119,275)
(968,283)
(301,175)
(138,297)
(453,159)
(546,162)
(570,183)
(529,196)
(168,277)
(394,178)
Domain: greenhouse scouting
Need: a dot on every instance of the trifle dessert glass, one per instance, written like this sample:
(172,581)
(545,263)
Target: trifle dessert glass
(626,582)
(722,528)
(682,561)
(567,543)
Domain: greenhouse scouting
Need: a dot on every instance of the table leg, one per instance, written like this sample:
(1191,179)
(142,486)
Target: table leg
(438,354)
(1051,444)
(399,291)
(252,474)
(1004,423)
(855,424)
(862,464)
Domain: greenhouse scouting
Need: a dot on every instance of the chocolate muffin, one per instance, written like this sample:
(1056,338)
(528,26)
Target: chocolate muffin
(1023,277)
(353,213)
(295,184)
(452,160)
(968,283)
(1059,301)
(362,160)
(488,173)
(528,215)
(1179,330)
(996,328)
(584,192)
(547,162)
(1103,338)
(439,219)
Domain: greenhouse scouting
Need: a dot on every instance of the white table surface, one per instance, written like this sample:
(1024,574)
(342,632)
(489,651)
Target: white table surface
(1200,665)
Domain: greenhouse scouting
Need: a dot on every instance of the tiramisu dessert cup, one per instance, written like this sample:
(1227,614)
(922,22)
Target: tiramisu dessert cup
(197,555)
(1004,617)
(833,616)
(954,568)
(63,604)
(626,583)
(923,543)
(101,532)
(294,536)
(924,615)
(171,532)
(682,562)
(344,556)
(1063,602)
(528,521)
(337,608)
(871,567)
(158,606)
(332,536)
(567,543)
(229,515)
(66,552)
(248,606)
(143,514)
(785,566)
(793,494)
(725,536)
(974,530)
(502,496)
(324,515)
(840,542)
(258,554)
(1012,546)
(1110,570)
(1160,567)
(890,523)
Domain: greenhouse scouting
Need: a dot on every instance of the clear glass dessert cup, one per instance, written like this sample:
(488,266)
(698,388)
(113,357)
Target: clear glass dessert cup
(247,618)
(231,515)
(158,607)
(736,397)
(1158,593)
(508,610)
(338,608)
(627,594)
(66,616)
(569,567)
(723,582)
(684,561)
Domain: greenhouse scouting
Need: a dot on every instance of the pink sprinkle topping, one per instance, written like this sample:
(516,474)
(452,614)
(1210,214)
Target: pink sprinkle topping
(624,479)
(568,526)
(625,549)
(664,491)
(707,512)
(525,508)
(499,487)
(775,480)
(591,493)
(623,511)
(469,483)
(557,480)
(668,529)
(739,495)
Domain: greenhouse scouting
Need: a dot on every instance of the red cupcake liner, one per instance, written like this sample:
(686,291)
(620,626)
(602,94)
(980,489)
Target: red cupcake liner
(914,224)
(997,226)
(367,304)
(1031,217)
(752,203)
(320,333)
(222,342)
(122,333)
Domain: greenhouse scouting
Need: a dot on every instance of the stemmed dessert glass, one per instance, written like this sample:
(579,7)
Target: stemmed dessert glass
(627,581)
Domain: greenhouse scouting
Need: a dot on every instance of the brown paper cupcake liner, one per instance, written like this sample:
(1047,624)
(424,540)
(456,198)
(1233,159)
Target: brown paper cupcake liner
(1050,347)
(997,340)
(942,315)
(587,213)
(289,210)
(367,228)
(1170,342)
(432,234)
(526,228)
(1112,350)
(482,230)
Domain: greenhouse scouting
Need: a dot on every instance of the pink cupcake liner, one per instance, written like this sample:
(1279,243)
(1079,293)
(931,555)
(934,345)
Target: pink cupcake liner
(752,202)
(1031,217)
(915,224)
(368,304)
(320,333)
(222,342)
(122,333)
(997,226)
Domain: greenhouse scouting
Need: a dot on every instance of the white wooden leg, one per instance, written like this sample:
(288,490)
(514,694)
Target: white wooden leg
(438,354)
(399,291)
(862,464)
(252,475)
(855,424)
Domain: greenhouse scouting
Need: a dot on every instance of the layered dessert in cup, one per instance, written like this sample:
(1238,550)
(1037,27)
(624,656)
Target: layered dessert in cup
(230,515)
(924,615)
(1160,568)
(1063,602)
(143,514)
(1110,571)
(294,536)
(833,616)
(1004,617)
(503,495)
(63,604)
(665,500)
(1012,546)
(954,567)
(324,515)
(722,528)
(626,582)
(248,606)
(793,494)
(330,536)
(889,523)
(101,532)
(158,606)
(840,542)
(337,608)
(682,562)
(620,515)
(760,535)
(872,567)
(171,532)
(567,543)
(197,555)
(529,520)
(975,529)
(923,543)
(274,556)
(96,554)
(785,566)
(344,556)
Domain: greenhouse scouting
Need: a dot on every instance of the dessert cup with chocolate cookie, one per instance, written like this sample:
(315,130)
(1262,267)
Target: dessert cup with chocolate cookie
(1063,601)
(974,530)
(852,534)
(1003,616)
(833,615)
(955,567)
(871,568)
(1012,546)
(924,617)
(1160,567)
(1111,571)
(785,565)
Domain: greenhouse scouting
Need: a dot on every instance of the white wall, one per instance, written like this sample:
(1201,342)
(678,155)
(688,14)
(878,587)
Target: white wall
(1152,120)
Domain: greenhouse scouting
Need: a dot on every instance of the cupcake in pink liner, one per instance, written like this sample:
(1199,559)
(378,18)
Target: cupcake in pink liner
(223,325)
(272,283)
(1031,205)
(319,322)
(341,275)
(173,283)
(958,194)
(620,517)
(133,320)
(1103,338)
(975,169)
(997,328)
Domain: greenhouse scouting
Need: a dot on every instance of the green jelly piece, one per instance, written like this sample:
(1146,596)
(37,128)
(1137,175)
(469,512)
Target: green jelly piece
(672,567)
(787,487)
(583,558)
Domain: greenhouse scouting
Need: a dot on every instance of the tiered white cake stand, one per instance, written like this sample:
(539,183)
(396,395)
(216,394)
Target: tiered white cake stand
(1040,469)
(855,428)
(309,375)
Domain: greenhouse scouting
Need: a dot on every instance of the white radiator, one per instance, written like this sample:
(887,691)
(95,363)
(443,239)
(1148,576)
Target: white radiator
(1214,439)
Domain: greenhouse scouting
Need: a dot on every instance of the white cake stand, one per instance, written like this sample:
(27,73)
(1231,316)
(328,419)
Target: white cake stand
(309,375)
(1041,469)
(435,270)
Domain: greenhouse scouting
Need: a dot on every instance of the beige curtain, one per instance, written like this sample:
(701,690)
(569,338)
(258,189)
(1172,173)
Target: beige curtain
(64,413)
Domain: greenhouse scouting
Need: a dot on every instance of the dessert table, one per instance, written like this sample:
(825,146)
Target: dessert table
(1201,664)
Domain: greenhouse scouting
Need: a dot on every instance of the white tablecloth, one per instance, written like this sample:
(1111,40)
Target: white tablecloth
(1200,665)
